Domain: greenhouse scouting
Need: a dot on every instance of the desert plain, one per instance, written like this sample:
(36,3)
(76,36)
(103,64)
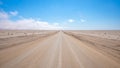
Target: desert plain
(59,48)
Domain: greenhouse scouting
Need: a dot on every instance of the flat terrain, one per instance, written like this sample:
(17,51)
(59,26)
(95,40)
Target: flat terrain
(59,49)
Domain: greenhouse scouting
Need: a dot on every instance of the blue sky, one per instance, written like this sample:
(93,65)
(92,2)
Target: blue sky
(60,14)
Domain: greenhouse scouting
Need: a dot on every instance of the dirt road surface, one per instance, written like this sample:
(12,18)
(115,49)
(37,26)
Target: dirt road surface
(56,51)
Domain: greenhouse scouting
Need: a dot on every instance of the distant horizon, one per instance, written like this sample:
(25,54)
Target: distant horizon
(60,30)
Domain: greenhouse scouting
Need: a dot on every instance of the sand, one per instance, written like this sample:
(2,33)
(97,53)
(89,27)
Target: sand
(108,34)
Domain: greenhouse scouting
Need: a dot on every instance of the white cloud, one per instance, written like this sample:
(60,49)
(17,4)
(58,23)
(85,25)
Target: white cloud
(82,20)
(71,20)
(56,24)
(26,23)
(14,13)
(3,15)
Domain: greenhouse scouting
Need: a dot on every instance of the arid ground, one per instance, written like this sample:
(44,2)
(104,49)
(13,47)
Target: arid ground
(60,49)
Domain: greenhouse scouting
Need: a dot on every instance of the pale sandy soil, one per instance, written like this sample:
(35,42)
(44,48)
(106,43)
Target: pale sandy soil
(108,34)
(15,33)
(10,38)
(63,50)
